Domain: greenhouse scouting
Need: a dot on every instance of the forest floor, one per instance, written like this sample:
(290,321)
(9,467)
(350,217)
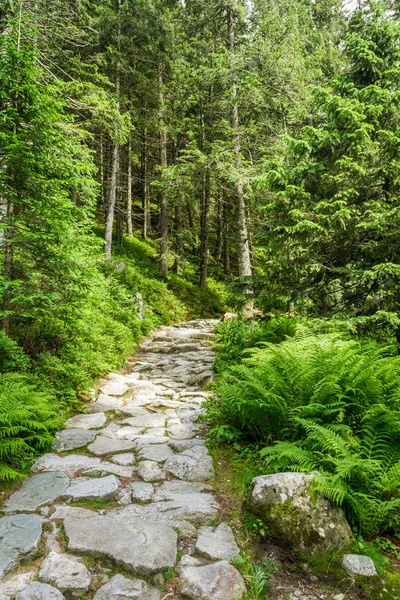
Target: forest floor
(131,502)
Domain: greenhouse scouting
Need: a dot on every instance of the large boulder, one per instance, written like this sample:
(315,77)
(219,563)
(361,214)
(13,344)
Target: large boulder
(297,516)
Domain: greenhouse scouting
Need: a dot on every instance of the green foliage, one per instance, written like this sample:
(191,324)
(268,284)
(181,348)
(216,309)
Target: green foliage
(331,405)
(11,355)
(331,240)
(257,575)
(236,335)
(28,418)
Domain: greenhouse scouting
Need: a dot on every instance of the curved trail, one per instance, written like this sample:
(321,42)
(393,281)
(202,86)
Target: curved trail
(128,488)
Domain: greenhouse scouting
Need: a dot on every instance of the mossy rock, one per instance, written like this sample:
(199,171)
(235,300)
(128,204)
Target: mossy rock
(297,517)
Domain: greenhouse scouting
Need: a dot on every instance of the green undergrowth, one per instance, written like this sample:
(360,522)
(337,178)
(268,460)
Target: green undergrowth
(235,466)
(59,352)
(307,396)
(234,471)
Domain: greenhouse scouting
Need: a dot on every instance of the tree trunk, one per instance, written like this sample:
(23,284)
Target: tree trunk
(243,249)
(218,245)
(9,229)
(163,164)
(115,156)
(129,192)
(145,185)
(112,196)
(225,235)
(8,260)
(204,230)
(177,267)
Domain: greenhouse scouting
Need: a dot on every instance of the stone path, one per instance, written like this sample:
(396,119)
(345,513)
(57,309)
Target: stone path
(129,483)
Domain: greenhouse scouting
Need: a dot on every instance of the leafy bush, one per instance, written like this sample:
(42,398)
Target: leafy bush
(359,473)
(333,406)
(236,335)
(28,418)
(11,354)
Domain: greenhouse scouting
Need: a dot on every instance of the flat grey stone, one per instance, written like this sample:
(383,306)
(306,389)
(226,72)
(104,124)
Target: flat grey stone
(17,581)
(69,439)
(103,446)
(140,545)
(156,431)
(150,420)
(62,511)
(357,564)
(181,445)
(158,453)
(190,413)
(70,464)
(146,440)
(104,403)
(108,468)
(19,538)
(91,421)
(39,591)
(125,459)
(121,588)
(92,488)
(197,508)
(218,581)
(177,485)
(183,431)
(184,348)
(193,464)
(36,491)
(129,432)
(142,491)
(202,379)
(115,388)
(149,471)
(66,573)
(131,411)
(217,543)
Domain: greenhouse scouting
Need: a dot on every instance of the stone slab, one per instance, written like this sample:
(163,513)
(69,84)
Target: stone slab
(91,421)
(66,573)
(149,471)
(36,491)
(70,464)
(39,591)
(115,388)
(69,439)
(140,546)
(19,537)
(104,445)
(217,581)
(92,488)
(194,464)
(122,588)
(217,543)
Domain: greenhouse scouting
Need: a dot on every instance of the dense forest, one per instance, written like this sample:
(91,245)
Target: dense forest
(172,159)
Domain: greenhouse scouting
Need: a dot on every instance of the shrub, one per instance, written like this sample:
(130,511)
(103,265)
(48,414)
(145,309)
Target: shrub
(322,377)
(236,335)
(28,418)
(330,405)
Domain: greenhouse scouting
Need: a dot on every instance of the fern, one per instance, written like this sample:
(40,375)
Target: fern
(327,405)
(28,419)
